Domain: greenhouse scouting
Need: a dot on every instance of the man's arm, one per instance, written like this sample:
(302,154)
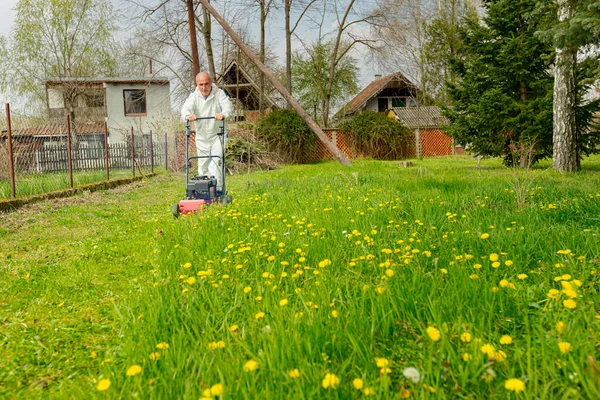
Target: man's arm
(226,105)
(188,107)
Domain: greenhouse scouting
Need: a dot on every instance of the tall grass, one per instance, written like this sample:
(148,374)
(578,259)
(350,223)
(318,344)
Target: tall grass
(315,270)
(319,282)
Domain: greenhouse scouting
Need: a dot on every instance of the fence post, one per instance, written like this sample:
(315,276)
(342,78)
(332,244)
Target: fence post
(69,155)
(11,165)
(132,152)
(151,153)
(106,156)
(418,142)
(166,153)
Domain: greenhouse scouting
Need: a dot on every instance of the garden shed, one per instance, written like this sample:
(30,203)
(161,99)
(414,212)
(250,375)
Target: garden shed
(426,122)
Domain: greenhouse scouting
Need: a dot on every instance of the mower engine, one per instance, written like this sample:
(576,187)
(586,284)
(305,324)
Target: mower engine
(201,188)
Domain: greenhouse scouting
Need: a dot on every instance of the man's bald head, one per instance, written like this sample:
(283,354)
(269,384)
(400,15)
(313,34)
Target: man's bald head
(204,83)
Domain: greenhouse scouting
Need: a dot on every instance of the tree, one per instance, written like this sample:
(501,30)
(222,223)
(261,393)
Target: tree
(312,77)
(575,28)
(60,39)
(502,102)
(289,31)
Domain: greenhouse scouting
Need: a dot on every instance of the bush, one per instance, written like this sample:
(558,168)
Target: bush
(377,136)
(243,154)
(287,134)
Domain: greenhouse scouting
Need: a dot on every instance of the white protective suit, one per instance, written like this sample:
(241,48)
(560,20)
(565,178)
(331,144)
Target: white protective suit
(207,140)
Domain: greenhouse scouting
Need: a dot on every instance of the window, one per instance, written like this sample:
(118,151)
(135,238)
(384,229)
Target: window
(94,99)
(135,102)
(399,102)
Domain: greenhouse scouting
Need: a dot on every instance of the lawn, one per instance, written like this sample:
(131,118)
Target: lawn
(443,280)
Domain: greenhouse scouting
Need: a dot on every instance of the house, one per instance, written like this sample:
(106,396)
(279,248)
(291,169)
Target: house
(124,103)
(244,92)
(382,94)
(426,122)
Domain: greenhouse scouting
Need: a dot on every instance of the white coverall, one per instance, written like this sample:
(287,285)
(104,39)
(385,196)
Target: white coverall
(207,140)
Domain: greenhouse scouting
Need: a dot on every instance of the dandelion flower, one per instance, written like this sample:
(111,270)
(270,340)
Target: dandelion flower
(465,337)
(553,294)
(515,385)
(412,374)
(217,390)
(560,326)
(389,272)
(564,347)
(134,370)
(485,235)
(103,384)
(522,276)
(368,391)
(570,303)
(467,357)
(504,283)
(283,302)
(433,333)
(382,362)
(233,328)
(506,339)
(162,346)
(154,356)
(494,257)
(250,366)
(358,383)
(488,349)
(247,289)
(330,381)
(334,314)
(294,373)
(259,315)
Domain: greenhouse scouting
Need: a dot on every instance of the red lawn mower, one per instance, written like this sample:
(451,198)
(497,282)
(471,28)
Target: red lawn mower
(202,191)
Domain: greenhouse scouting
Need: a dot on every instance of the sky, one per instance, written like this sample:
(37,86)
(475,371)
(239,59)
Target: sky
(7,15)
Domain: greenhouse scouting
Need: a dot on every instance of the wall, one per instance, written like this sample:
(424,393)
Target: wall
(158,106)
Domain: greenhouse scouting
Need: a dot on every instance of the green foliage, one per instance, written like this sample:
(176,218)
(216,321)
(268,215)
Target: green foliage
(581,29)
(502,102)
(243,154)
(60,39)
(377,136)
(311,76)
(287,134)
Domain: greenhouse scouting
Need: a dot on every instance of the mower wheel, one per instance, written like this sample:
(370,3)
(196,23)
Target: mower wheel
(176,210)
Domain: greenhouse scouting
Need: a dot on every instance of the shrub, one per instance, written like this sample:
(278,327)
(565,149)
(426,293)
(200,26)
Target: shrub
(287,134)
(377,136)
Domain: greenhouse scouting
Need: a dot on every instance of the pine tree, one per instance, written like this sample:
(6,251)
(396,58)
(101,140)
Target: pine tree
(502,101)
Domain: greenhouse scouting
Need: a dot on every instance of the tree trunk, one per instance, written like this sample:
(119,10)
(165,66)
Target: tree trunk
(193,40)
(263,19)
(206,32)
(288,46)
(564,156)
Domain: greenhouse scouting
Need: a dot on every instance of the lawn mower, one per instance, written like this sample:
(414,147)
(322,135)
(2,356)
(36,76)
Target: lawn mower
(202,191)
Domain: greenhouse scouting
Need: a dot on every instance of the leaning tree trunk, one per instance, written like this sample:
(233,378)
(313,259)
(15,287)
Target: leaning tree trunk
(206,32)
(564,156)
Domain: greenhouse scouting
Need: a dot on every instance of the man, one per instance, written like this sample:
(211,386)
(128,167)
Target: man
(208,101)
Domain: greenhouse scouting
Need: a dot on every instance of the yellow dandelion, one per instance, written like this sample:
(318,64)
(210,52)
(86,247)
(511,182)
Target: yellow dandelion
(433,333)
(564,347)
(467,357)
(154,356)
(250,366)
(553,294)
(233,328)
(330,381)
(504,283)
(187,265)
(162,346)
(505,339)
(522,276)
(389,272)
(560,326)
(515,385)
(570,293)
(103,384)
(488,350)
(485,235)
(369,391)
(259,315)
(570,303)
(494,257)
(334,314)
(358,383)
(382,362)
(496,264)
(247,289)
(465,337)
(294,373)
(134,370)
(217,390)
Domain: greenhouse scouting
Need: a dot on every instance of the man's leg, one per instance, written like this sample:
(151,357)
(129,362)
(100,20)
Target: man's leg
(202,149)
(216,165)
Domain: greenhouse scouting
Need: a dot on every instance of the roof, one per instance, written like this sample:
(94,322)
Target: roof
(372,90)
(101,80)
(420,117)
(228,81)
(57,129)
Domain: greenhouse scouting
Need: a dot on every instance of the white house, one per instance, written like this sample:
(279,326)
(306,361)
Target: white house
(124,103)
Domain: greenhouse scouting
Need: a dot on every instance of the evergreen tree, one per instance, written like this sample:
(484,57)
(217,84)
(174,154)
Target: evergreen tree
(502,101)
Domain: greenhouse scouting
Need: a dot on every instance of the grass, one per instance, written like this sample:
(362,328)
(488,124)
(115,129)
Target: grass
(30,185)
(316,273)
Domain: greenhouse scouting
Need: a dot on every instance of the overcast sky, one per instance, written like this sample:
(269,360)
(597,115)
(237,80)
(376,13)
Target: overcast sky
(7,15)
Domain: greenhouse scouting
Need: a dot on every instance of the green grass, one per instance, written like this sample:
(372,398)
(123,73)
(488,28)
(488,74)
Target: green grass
(371,261)
(30,185)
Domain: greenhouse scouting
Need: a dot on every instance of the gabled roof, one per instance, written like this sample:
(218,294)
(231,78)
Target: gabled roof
(57,129)
(246,86)
(420,117)
(372,90)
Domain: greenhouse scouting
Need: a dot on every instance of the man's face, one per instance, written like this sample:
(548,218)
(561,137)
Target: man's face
(204,84)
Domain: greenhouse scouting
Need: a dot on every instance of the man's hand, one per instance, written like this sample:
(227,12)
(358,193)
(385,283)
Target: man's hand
(191,117)
(219,117)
